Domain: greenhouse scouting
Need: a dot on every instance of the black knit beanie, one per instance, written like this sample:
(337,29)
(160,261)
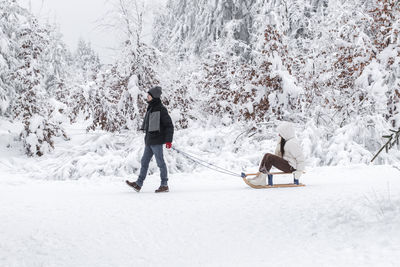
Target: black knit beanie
(155,92)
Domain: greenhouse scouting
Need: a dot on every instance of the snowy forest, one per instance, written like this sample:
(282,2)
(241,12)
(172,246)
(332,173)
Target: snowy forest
(232,73)
(331,67)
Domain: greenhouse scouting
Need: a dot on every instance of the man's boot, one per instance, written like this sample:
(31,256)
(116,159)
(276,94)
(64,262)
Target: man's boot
(134,185)
(162,189)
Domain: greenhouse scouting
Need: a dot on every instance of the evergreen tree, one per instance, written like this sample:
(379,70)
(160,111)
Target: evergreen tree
(11,18)
(31,102)
(87,61)
(82,85)
(59,65)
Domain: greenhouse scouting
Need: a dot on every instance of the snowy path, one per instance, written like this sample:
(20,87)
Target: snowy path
(346,216)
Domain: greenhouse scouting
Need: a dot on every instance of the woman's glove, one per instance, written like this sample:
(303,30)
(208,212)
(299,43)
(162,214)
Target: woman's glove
(168,145)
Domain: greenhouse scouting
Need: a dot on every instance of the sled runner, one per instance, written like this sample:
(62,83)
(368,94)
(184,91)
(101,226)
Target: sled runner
(271,185)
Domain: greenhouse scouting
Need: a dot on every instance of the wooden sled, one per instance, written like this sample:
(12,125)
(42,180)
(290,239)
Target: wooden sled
(271,186)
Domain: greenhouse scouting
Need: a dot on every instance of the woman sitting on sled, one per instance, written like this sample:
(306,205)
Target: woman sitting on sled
(288,156)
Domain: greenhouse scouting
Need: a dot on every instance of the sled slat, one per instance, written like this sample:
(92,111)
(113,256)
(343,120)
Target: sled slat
(273,173)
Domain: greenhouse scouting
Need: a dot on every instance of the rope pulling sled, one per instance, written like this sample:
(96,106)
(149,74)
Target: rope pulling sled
(242,175)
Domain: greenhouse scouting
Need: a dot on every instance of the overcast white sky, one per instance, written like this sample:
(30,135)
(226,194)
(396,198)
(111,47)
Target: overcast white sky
(80,18)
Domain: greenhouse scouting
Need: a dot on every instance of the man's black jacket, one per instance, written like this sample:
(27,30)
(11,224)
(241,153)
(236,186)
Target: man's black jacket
(157,124)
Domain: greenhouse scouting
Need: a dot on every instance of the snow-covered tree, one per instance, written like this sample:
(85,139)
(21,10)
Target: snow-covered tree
(28,75)
(187,27)
(59,65)
(11,18)
(86,61)
(30,103)
(86,68)
(119,101)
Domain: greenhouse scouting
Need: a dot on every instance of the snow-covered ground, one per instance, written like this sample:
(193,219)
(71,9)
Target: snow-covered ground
(345,216)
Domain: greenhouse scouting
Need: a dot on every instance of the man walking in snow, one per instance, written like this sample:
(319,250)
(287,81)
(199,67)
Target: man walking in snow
(159,130)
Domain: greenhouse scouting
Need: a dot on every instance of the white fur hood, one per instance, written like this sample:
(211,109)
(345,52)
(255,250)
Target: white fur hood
(286,130)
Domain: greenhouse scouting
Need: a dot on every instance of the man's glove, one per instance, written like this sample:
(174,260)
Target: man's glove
(168,145)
